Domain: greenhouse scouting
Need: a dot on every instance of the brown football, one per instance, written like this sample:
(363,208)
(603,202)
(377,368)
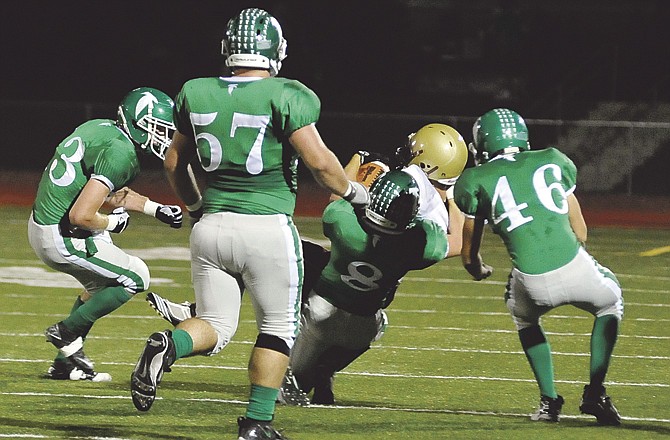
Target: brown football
(368,172)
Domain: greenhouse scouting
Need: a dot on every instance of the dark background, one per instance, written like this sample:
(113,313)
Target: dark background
(66,61)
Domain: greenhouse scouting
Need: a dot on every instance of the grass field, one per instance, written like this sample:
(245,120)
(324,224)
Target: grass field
(449,367)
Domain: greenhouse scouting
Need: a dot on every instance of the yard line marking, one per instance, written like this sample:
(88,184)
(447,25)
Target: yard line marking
(655,252)
(461,329)
(333,407)
(149,315)
(366,373)
(455,329)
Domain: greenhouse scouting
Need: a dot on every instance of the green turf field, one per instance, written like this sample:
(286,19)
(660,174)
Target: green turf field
(449,366)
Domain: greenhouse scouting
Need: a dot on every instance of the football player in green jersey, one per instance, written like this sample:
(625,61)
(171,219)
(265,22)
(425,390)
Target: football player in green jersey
(248,131)
(527,198)
(344,312)
(434,156)
(68,232)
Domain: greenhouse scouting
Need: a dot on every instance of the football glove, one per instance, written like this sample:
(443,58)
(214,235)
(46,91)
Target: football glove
(170,215)
(357,194)
(118,221)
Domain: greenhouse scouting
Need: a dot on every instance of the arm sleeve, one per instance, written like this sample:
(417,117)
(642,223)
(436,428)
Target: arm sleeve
(116,167)
(299,107)
(181,114)
(465,194)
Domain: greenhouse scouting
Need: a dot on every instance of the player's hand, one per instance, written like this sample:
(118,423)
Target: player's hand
(118,221)
(357,195)
(170,215)
(479,271)
(371,156)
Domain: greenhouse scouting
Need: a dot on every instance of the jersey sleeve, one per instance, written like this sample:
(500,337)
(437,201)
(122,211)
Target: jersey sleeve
(181,113)
(116,166)
(465,193)
(437,244)
(333,211)
(569,172)
(299,107)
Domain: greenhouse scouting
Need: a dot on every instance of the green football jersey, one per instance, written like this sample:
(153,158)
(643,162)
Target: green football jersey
(241,128)
(364,270)
(524,198)
(96,149)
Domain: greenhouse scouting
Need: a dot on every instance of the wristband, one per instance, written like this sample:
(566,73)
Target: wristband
(450,193)
(349,193)
(194,207)
(150,207)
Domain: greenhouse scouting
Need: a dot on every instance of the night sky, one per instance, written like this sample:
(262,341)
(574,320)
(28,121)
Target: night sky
(543,58)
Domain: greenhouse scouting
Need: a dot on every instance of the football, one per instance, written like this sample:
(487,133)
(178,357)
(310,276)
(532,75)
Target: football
(368,172)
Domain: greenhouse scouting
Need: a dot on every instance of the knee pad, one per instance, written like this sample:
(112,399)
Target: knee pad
(272,342)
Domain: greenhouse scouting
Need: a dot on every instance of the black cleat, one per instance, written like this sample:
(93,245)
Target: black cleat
(549,409)
(290,392)
(70,345)
(250,429)
(156,358)
(597,403)
(66,370)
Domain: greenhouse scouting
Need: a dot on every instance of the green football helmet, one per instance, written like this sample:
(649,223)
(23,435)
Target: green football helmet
(394,204)
(498,131)
(145,115)
(254,40)
(439,150)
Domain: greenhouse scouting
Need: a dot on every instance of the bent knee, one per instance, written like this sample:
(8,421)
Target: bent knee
(138,278)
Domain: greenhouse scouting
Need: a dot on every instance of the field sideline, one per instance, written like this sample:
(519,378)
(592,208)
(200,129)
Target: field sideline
(449,367)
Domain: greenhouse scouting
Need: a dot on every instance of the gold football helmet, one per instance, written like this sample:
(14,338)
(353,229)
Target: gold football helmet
(440,151)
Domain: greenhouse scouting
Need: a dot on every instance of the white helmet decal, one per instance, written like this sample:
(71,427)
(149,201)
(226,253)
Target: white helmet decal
(145,102)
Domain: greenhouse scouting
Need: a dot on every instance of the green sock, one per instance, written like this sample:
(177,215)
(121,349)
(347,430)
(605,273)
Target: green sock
(262,403)
(183,343)
(539,357)
(603,338)
(100,304)
(538,352)
(77,303)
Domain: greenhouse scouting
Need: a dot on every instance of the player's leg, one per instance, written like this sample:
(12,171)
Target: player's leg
(110,275)
(599,293)
(526,314)
(218,294)
(315,259)
(272,275)
(354,337)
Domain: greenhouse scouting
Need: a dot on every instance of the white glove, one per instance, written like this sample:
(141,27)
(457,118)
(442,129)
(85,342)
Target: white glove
(357,195)
(118,221)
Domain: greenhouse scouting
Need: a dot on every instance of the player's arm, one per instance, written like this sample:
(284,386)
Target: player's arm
(132,201)
(577,221)
(455,235)
(179,173)
(324,165)
(473,232)
(85,210)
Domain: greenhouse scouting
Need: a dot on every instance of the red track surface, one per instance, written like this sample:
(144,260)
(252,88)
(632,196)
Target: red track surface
(19,187)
